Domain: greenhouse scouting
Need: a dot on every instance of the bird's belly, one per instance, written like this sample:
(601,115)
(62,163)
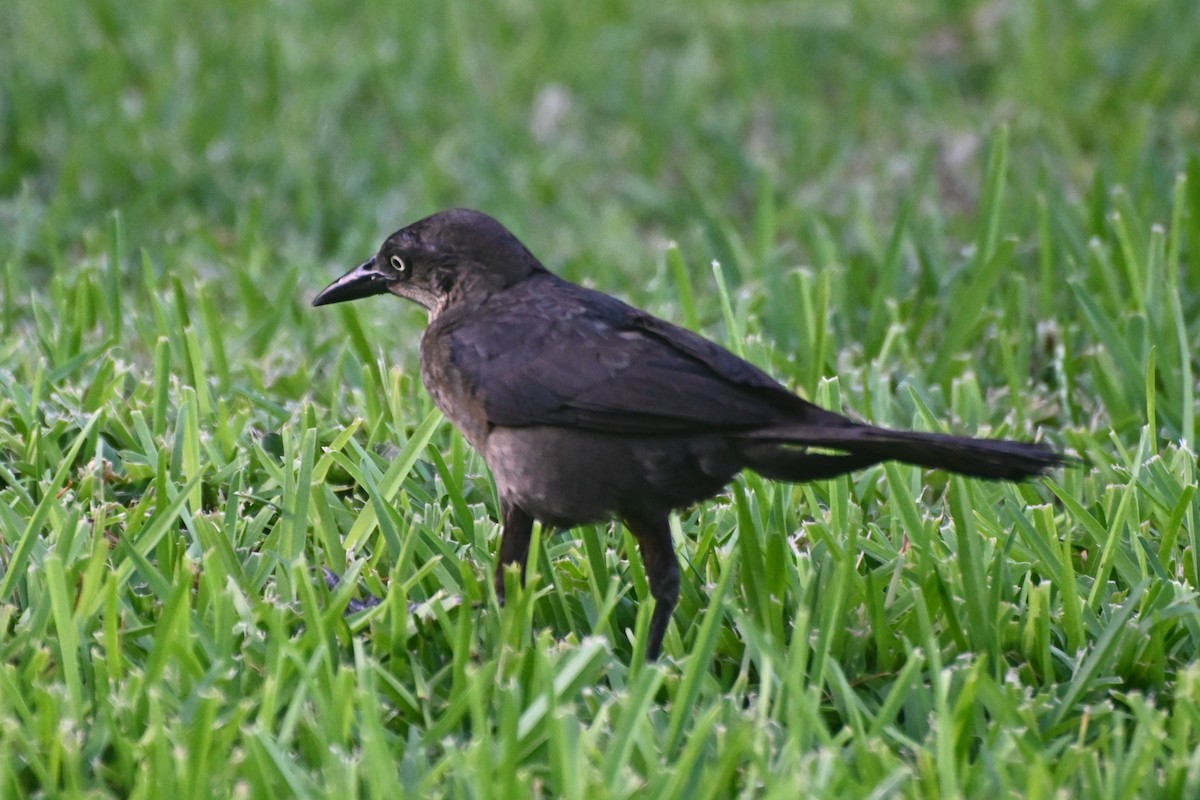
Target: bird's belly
(567,477)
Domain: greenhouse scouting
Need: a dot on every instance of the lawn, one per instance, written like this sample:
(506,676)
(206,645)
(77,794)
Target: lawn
(978,217)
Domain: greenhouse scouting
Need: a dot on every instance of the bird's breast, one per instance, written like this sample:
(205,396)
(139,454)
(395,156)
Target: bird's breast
(452,390)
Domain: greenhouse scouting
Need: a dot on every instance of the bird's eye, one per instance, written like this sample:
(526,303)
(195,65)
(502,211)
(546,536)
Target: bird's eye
(398,264)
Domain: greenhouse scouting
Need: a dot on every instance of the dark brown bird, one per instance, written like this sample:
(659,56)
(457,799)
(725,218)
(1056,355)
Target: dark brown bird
(586,408)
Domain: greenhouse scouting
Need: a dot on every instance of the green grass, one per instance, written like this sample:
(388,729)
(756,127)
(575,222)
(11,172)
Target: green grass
(979,217)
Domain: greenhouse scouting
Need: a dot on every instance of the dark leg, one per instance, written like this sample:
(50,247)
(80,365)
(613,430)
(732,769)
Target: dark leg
(662,572)
(514,544)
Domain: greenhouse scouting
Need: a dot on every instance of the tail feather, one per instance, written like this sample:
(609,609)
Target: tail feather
(774,453)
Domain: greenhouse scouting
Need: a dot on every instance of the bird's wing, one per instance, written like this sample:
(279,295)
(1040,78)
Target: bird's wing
(583,359)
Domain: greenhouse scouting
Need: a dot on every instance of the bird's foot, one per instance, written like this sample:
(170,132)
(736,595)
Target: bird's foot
(333,581)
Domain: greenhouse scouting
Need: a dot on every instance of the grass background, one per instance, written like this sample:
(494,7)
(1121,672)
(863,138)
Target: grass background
(976,216)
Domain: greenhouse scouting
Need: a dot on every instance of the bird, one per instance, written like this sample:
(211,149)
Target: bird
(586,409)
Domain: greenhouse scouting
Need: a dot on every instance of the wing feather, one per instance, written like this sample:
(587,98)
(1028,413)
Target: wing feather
(596,363)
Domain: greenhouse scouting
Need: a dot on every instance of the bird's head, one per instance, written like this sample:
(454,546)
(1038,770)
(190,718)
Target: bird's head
(453,256)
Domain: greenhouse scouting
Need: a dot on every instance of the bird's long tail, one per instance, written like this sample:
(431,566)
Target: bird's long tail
(784,454)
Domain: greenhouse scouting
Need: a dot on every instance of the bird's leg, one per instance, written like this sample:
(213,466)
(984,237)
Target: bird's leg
(662,572)
(514,543)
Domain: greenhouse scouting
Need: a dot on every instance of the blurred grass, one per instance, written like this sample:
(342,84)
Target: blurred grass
(977,216)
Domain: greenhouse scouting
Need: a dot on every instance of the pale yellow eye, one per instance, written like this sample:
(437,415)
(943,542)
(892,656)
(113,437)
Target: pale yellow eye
(398,264)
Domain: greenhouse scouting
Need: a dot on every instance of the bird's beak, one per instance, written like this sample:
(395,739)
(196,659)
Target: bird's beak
(364,280)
